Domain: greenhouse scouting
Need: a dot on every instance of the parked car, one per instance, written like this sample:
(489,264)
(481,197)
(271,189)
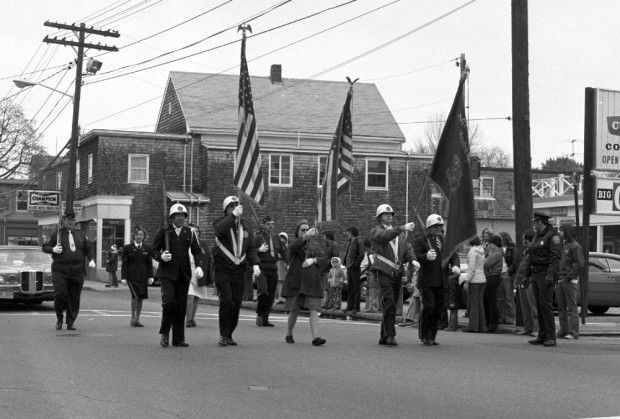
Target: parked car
(603,282)
(25,275)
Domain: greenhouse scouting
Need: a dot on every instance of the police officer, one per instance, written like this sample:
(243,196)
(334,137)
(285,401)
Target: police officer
(234,250)
(429,249)
(269,250)
(175,273)
(392,252)
(545,253)
(69,248)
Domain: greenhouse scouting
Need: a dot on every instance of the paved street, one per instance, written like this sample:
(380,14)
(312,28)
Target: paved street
(108,369)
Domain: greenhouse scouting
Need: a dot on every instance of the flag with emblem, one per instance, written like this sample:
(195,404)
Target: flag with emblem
(339,167)
(451,172)
(248,176)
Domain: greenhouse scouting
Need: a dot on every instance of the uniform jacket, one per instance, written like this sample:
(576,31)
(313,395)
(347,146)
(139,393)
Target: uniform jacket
(267,261)
(83,248)
(178,268)
(307,281)
(354,254)
(222,228)
(431,273)
(137,263)
(381,237)
(111,262)
(545,253)
(572,261)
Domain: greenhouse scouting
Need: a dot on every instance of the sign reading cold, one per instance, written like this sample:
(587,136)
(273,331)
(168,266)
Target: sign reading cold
(608,196)
(607,145)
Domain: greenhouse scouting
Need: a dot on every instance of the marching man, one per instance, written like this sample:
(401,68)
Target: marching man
(234,251)
(392,252)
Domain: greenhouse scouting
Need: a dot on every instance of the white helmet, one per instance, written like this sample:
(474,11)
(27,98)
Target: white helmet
(434,219)
(177,209)
(229,200)
(382,209)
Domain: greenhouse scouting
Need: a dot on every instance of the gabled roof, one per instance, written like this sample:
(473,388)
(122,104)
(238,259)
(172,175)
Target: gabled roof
(210,101)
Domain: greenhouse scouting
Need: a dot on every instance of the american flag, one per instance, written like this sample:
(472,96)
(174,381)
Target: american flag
(339,168)
(248,176)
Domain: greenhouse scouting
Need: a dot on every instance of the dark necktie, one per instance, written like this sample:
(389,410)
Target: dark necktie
(438,243)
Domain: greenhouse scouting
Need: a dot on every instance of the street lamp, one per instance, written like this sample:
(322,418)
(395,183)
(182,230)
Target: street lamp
(21,84)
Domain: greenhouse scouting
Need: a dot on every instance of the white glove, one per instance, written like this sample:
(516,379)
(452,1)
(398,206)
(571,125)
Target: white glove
(431,255)
(150,281)
(263,248)
(238,211)
(57,249)
(311,232)
(199,273)
(308,262)
(456,270)
(92,264)
(124,281)
(255,270)
(166,256)
(416,265)
(409,226)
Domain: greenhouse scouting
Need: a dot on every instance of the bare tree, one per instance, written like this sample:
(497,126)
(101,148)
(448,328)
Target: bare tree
(494,157)
(18,141)
(432,133)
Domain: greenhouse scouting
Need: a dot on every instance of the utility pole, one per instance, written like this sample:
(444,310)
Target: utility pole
(80,31)
(522,162)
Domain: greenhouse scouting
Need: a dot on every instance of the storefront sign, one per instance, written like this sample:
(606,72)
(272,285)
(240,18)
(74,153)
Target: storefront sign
(607,196)
(43,200)
(558,212)
(607,141)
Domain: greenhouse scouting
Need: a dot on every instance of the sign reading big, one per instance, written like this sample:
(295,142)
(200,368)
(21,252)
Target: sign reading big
(607,196)
(607,144)
(44,200)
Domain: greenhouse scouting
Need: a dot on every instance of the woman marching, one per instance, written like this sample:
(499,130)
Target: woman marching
(303,286)
(137,271)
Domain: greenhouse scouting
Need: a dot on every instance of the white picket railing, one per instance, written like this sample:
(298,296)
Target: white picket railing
(555,186)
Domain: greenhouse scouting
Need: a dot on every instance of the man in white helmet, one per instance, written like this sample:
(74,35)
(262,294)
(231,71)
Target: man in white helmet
(429,249)
(233,253)
(175,273)
(392,252)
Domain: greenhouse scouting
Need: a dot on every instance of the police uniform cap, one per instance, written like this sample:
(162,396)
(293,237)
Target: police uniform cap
(69,213)
(540,215)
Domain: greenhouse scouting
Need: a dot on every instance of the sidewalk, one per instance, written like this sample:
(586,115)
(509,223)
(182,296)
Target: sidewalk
(593,327)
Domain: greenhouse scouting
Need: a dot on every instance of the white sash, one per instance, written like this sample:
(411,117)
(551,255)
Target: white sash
(237,245)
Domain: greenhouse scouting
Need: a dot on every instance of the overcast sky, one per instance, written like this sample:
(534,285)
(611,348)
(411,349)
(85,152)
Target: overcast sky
(573,44)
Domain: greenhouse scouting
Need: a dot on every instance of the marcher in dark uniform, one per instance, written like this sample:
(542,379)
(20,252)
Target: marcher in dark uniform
(352,260)
(270,248)
(137,271)
(234,251)
(433,277)
(68,268)
(391,253)
(175,273)
(545,253)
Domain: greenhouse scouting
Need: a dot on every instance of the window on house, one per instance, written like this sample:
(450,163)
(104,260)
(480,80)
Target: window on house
(58,180)
(77,173)
(138,168)
(484,188)
(90,168)
(321,167)
(376,173)
(281,170)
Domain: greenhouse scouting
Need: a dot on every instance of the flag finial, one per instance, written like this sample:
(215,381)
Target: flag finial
(244,28)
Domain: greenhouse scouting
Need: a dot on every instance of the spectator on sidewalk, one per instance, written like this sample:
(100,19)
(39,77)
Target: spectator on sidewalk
(505,293)
(352,261)
(332,249)
(475,283)
(111,266)
(137,272)
(335,280)
(282,266)
(527,300)
(373,298)
(492,270)
(571,264)
(412,315)
(197,286)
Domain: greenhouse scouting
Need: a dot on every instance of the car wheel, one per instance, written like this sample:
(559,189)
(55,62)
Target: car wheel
(598,310)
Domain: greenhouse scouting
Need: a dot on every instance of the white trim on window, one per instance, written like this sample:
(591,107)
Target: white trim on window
(77,173)
(90,169)
(484,188)
(284,176)
(138,173)
(58,180)
(376,175)
(319,180)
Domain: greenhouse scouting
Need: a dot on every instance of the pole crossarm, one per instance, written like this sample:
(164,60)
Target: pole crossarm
(113,34)
(64,42)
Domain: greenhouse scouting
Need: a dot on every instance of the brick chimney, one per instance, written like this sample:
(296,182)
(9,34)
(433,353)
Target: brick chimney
(276,73)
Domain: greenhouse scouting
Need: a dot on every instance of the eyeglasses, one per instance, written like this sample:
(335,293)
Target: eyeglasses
(304,229)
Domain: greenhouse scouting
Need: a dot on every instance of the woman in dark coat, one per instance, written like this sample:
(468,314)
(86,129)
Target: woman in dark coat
(137,270)
(303,285)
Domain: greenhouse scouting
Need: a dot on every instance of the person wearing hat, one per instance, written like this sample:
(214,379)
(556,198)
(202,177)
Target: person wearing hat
(391,253)
(269,251)
(69,249)
(433,277)
(111,266)
(282,266)
(545,253)
(137,272)
(171,248)
(234,251)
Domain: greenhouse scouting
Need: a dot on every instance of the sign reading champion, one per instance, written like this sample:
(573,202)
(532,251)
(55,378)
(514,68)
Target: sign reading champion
(607,148)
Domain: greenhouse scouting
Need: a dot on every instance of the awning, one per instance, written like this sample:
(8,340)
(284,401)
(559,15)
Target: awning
(188,197)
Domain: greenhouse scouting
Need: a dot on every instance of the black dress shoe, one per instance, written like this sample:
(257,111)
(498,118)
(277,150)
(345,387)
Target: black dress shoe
(289,339)
(181,344)
(70,327)
(138,324)
(164,340)
(59,325)
(382,341)
(535,341)
(434,342)
(318,341)
(550,342)
(427,342)
(391,341)
(268,324)
(223,342)
(231,342)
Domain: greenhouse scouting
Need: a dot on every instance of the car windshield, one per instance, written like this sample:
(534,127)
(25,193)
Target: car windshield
(598,264)
(614,264)
(23,257)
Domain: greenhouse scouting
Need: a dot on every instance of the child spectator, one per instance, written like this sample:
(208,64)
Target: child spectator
(335,279)
(111,266)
